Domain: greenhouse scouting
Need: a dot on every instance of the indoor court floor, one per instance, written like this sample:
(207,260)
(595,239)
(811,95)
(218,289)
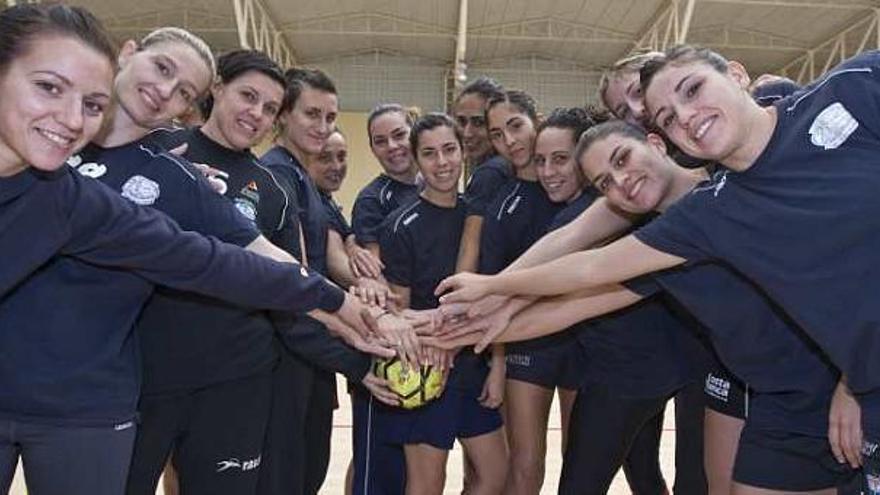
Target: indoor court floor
(342,454)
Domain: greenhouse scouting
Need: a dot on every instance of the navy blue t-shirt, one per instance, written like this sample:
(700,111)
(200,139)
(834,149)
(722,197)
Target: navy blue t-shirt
(638,352)
(312,215)
(254,190)
(177,354)
(566,215)
(802,221)
(769,93)
(69,355)
(755,340)
(487,179)
(335,216)
(419,248)
(191,341)
(378,199)
(518,217)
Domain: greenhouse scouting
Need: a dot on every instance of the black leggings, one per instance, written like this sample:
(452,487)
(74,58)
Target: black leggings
(66,460)
(690,413)
(296,452)
(604,429)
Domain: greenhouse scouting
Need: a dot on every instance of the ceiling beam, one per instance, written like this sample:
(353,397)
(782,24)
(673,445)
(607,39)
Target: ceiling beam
(367,23)
(196,20)
(863,34)
(549,29)
(796,4)
(377,56)
(533,62)
(257,31)
(721,37)
(669,27)
(389,26)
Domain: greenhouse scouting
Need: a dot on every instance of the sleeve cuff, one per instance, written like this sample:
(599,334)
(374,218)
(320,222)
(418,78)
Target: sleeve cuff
(331,298)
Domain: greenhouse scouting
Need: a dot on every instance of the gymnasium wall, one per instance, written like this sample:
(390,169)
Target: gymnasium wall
(362,165)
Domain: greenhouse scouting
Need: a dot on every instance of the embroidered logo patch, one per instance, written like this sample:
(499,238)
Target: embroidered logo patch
(93,170)
(246,208)
(140,190)
(832,126)
(251,192)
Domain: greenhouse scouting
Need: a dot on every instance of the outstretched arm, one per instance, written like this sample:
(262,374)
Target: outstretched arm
(596,224)
(543,317)
(614,263)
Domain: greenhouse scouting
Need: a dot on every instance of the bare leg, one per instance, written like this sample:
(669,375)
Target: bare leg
(528,409)
(487,453)
(425,469)
(721,437)
(739,489)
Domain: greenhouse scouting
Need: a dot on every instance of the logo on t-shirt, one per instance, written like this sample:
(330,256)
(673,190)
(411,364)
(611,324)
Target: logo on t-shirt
(91,169)
(832,126)
(719,180)
(140,190)
(251,192)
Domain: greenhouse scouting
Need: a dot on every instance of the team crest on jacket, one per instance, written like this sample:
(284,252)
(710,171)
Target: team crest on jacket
(832,126)
(246,208)
(140,190)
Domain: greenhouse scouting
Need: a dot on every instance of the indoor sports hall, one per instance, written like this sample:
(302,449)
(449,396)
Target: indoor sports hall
(422,54)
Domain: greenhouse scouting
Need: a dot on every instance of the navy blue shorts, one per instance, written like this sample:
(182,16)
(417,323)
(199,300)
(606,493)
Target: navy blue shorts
(787,461)
(456,414)
(547,362)
(726,394)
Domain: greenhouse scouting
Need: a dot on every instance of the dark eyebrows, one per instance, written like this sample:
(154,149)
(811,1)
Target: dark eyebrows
(65,80)
(681,83)
(614,154)
(675,90)
(168,60)
(510,120)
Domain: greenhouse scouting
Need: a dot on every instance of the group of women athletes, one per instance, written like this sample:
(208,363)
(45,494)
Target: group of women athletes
(711,240)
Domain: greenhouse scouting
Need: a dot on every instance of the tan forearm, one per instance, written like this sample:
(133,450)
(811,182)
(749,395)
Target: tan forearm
(595,225)
(552,315)
(469,250)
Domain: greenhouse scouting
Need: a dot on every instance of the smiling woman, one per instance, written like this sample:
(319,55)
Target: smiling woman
(159,79)
(60,101)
